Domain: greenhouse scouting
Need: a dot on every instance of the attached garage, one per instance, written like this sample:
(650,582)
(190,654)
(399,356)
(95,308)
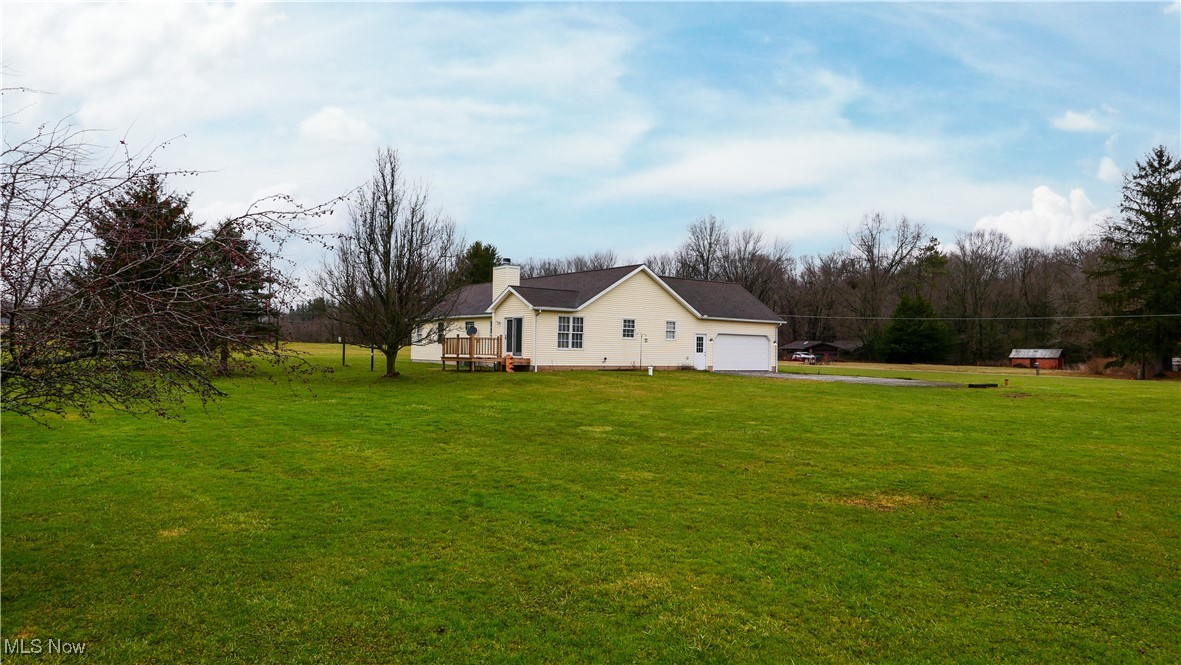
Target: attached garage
(736,353)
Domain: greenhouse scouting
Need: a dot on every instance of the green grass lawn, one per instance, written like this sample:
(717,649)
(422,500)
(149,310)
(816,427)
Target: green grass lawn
(604,517)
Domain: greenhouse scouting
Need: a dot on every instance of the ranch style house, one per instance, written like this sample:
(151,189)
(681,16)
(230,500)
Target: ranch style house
(617,318)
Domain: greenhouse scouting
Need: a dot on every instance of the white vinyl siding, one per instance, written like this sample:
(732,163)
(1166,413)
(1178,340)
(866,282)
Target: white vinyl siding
(513,307)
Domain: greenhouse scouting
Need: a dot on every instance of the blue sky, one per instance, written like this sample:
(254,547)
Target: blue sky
(552,129)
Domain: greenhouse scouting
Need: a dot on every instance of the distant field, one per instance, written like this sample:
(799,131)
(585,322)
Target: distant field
(605,517)
(884,369)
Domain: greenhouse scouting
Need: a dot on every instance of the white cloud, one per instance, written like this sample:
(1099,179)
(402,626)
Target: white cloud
(125,61)
(1109,172)
(1073,121)
(1173,7)
(1050,220)
(938,198)
(732,166)
(483,104)
(332,124)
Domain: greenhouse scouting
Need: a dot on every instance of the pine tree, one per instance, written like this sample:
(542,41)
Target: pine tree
(1140,266)
(145,238)
(142,262)
(232,271)
(478,262)
(914,334)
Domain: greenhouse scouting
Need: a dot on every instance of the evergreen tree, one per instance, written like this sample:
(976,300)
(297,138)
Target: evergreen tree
(213,290)
(233,272)
(914,334)
(145,238)
(478,262)
(143,261)
(106,282)
(1140,267)
(310,310)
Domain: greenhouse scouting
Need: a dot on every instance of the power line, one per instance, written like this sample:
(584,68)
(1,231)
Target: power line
(985,318)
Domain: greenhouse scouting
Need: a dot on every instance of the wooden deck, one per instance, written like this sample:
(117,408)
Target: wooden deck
(475,350)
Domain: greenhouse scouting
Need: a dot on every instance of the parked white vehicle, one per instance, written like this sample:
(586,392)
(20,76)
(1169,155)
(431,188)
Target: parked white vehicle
(803,355)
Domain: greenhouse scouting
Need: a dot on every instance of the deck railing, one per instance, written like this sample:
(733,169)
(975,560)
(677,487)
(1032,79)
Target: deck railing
(473,347)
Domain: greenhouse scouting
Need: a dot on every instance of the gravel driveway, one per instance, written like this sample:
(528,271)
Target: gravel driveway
(836,378)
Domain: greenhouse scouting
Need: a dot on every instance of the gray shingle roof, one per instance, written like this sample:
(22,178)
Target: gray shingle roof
(1036,353)
(539,297)
(585,285)
(720,300)
(470,300)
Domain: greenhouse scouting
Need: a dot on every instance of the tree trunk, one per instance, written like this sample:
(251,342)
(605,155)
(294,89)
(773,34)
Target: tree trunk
(223,364)
(1157,365)
(391,354)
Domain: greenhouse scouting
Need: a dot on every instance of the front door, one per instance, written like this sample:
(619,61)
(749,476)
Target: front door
(512,336)
(699,358)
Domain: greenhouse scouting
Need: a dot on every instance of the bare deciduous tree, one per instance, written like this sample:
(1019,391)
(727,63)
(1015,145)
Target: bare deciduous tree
(663,264)
(700,256)
(396,267)
(977,267)
(577,263)
(599,260)
(818,304)
(880,251)
(762,268)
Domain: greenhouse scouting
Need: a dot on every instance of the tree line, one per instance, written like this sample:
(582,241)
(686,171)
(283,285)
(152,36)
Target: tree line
(900,295)
(113,293)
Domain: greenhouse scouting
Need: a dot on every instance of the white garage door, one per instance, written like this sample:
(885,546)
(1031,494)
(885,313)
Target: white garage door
(742,352)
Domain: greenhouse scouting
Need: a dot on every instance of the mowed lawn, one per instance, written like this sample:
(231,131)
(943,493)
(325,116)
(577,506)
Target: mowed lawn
(604,517)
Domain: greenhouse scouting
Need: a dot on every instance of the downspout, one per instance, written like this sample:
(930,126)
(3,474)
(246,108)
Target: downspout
(775,348)
(536,358)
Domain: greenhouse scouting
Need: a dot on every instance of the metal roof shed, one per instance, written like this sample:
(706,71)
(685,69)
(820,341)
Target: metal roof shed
(1045,358)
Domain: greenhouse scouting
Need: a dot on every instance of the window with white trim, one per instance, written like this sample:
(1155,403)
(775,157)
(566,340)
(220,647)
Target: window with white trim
(629,328)
(570,332)
(576,333)
(563,332)
(670,329)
